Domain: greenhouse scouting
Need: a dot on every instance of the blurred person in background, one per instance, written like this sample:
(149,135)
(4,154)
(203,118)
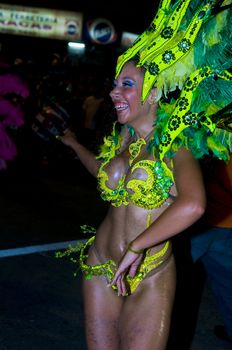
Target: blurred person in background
(212,243)
(14,91)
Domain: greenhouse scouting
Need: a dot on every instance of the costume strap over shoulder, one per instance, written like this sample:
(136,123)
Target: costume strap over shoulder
(111,144)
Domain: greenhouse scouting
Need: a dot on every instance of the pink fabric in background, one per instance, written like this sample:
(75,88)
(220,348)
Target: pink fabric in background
(10,83)
(11,115)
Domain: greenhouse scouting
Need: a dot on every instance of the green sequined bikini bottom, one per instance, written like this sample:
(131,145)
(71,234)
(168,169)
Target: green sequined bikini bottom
(108,268)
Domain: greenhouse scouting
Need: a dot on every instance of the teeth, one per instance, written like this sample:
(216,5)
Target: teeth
(120,107)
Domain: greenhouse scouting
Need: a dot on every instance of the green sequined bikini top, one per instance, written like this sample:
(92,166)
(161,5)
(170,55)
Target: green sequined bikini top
(147,193)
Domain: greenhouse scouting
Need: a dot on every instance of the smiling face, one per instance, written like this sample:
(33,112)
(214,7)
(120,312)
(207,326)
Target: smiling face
(126,97)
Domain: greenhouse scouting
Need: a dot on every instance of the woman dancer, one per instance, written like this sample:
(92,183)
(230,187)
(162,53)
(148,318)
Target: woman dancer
(148,172)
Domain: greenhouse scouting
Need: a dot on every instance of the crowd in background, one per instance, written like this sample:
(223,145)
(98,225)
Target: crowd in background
(57,95)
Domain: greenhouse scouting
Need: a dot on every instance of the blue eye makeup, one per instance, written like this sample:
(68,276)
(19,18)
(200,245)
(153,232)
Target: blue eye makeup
(125,83)
(128,82)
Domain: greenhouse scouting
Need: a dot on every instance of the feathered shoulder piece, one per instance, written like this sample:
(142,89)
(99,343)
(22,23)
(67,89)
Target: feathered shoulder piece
(197,120)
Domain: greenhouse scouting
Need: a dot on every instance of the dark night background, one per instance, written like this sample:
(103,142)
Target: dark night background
(128,16)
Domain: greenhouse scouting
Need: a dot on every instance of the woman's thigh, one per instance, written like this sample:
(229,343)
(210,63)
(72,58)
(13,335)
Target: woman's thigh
(145,316)
(102,308)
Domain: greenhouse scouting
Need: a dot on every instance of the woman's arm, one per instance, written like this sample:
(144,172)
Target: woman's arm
(87,158)
(187,208)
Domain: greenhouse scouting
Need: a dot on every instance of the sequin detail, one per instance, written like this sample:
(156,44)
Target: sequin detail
(149,193)
(108,268)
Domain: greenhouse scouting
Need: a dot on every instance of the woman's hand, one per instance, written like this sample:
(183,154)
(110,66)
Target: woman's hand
(128,265)
(68,138)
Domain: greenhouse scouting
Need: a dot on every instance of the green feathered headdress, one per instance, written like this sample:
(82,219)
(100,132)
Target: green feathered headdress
(188,46)
(182,38)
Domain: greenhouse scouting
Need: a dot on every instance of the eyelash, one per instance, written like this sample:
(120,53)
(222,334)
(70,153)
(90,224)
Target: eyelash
(125,83)
(128,83)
